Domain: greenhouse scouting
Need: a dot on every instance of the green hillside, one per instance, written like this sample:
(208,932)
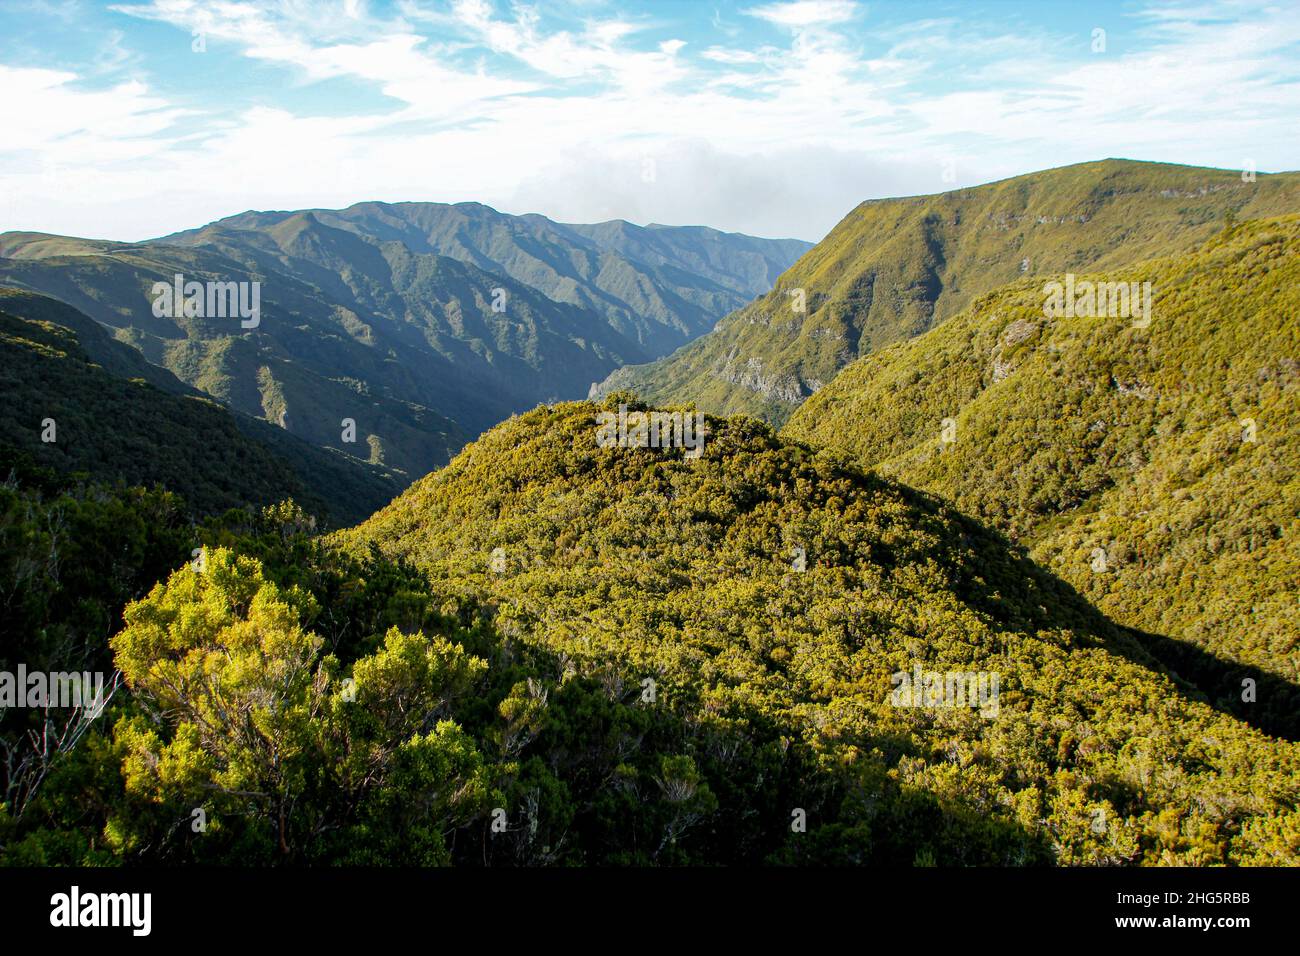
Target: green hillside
(894,268)
(552,653)
(117,358)
(636,564)
(109,429)
(1154,469)
(1077,534)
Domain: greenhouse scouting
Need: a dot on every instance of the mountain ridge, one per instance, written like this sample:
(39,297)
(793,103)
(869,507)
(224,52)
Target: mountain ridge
(578,264)
(422,350)
(893,268)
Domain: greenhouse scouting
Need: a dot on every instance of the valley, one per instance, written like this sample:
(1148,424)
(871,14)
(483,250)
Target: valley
(961,565)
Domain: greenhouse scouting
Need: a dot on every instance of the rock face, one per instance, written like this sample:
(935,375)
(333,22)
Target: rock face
(1003,359)
(749,375)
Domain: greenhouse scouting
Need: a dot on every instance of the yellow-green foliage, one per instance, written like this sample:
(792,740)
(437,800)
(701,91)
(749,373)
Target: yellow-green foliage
(637,564)
(261,725)
(1154,468)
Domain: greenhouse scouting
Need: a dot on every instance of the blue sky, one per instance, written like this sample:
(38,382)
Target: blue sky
(774,117)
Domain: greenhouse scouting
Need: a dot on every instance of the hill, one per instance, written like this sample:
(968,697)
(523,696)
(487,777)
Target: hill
(765,594)
(1154,468)
(894,268)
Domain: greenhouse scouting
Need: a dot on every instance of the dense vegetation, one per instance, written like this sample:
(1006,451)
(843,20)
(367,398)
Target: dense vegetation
(1155,469)
(305,701)
(636,564)
(894,268)
(551,652)
(115,429)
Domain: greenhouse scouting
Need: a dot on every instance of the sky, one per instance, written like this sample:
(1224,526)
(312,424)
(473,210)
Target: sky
(138,118)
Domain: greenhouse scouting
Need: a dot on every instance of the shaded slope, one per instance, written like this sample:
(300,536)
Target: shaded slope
(114,429)
(117,358)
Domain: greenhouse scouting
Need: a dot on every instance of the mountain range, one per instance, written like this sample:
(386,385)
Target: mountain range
(389,315)
(659,286)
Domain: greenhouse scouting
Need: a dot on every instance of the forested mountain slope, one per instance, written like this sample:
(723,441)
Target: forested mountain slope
(1154,468)
(110,425)
(417,369)
(117,358)
(894,268)
(769,592)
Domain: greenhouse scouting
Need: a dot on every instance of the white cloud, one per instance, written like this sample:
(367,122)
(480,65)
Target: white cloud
(792,190)
(778,138)
(805,13)
(720,55)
